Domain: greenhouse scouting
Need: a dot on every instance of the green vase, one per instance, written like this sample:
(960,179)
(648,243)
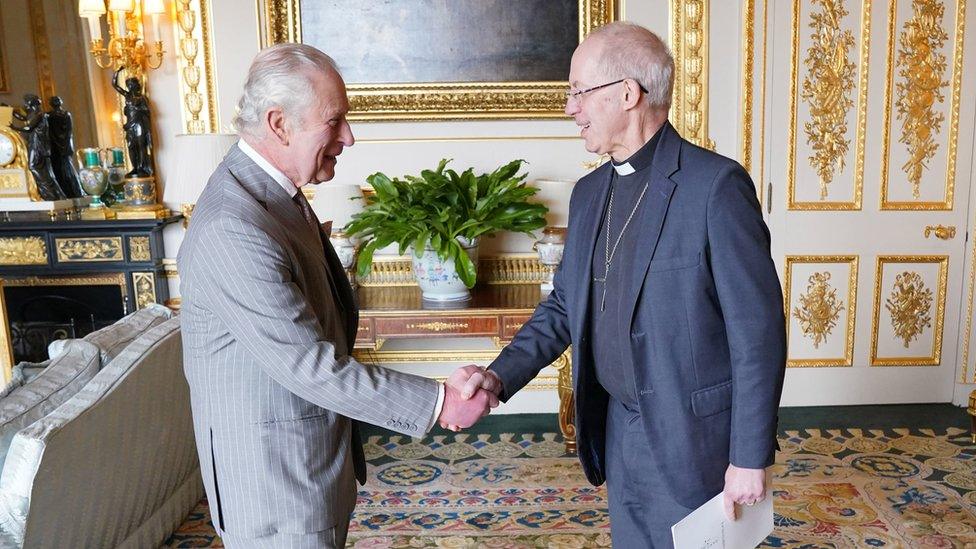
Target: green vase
(94,178)
(115,166)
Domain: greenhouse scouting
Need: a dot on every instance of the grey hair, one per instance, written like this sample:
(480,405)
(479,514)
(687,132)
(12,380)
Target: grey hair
(280,76)
(632,51)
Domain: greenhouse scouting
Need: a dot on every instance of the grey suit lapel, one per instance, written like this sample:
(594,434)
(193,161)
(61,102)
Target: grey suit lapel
(652,216)
(259,184)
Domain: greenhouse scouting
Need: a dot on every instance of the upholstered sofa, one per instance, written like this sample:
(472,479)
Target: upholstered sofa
(114,463)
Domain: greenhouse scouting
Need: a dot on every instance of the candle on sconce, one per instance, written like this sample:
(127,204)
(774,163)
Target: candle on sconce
(154,8)
(92,10)
(94,28)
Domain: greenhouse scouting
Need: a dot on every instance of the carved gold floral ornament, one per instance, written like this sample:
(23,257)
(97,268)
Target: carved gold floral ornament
(827,90)
(921,69)
(909,305)
(819,308)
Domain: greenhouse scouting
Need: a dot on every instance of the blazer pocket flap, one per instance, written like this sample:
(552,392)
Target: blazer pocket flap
(712,400)
(674,263)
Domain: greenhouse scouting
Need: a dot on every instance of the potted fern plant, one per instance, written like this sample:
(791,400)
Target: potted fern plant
(441,215)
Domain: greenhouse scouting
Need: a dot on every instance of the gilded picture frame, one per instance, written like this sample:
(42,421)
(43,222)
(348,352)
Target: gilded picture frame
(443,100)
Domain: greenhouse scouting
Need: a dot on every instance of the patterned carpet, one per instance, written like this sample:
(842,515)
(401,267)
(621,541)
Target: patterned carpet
(832,488)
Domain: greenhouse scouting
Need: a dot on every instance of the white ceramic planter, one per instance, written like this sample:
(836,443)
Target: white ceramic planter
(438,280)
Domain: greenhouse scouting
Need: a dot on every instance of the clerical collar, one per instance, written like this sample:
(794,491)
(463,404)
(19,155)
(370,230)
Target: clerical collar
(640,159)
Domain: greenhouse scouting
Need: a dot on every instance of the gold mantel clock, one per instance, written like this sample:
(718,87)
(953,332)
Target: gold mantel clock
(16,180)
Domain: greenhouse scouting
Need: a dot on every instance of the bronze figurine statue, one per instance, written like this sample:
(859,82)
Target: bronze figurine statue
(34,123)
(63,148)
(137,127)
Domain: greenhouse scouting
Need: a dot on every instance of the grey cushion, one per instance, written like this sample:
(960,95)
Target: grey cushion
(21,374)
(110,340)
(59,381)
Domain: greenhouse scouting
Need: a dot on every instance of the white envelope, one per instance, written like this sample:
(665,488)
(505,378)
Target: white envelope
(708,528)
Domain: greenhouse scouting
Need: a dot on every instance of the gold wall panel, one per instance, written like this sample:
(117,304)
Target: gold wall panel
(23,250)
(689,43)
(78,250)
(42,50)
(921,75)
(4,82)
(194,49)
(910,306)
(835,72)
(139,248)
(821,306)
(443,100)
(144,285)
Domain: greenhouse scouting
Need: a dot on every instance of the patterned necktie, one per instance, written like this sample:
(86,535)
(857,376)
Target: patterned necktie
(313,222)
(307,212)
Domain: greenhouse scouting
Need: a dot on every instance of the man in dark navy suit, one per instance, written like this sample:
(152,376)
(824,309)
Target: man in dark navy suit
(670,299)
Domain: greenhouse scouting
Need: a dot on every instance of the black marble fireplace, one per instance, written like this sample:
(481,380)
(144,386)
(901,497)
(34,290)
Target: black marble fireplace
(65,279)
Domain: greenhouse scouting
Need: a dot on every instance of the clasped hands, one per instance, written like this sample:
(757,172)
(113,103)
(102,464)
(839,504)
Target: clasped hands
(469,394)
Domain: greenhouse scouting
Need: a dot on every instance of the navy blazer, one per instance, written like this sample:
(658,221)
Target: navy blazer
(704,311)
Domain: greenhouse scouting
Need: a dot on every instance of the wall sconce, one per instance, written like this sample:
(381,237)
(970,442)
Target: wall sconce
(126,45)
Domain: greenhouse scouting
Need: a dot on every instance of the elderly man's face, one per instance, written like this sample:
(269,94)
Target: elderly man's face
(324,134)
(598,112)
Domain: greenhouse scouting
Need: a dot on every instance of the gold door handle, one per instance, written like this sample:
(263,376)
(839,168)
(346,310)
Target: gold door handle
(945,233)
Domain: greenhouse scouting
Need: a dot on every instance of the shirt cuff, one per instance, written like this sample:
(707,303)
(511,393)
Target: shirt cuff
(437,407)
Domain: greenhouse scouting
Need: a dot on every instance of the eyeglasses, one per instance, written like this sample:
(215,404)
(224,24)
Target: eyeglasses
(577,95)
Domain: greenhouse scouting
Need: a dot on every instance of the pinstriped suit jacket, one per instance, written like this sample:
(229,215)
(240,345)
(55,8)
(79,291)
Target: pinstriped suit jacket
(266,338)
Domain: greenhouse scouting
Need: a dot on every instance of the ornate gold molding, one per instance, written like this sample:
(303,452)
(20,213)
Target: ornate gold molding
(748,68)
(77,250)
(194,67)
(819,308)
(102,279)
(23,250)
(139,248)
(827,88)
(440,101)
(921,67)
(689,42)
(501,269)
(144,285)
(920,43)
(437,326)
(909,305)
(42,49)
(6,345)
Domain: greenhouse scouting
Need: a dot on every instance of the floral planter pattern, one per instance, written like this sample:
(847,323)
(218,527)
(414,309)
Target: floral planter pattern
(438,279)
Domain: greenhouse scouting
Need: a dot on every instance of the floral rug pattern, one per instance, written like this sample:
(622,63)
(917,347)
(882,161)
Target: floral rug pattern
(832,489)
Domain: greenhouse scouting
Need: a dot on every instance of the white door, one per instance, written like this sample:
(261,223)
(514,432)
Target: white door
(869,139)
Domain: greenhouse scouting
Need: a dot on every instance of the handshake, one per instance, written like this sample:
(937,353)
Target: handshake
(469,394)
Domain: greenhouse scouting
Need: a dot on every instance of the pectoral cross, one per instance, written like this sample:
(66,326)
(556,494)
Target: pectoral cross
(603,300)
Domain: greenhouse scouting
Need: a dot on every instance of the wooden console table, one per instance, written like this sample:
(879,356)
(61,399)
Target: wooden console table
(495,311)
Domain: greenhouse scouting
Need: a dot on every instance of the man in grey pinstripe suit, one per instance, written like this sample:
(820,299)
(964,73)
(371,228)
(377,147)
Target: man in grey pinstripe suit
(269,320)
